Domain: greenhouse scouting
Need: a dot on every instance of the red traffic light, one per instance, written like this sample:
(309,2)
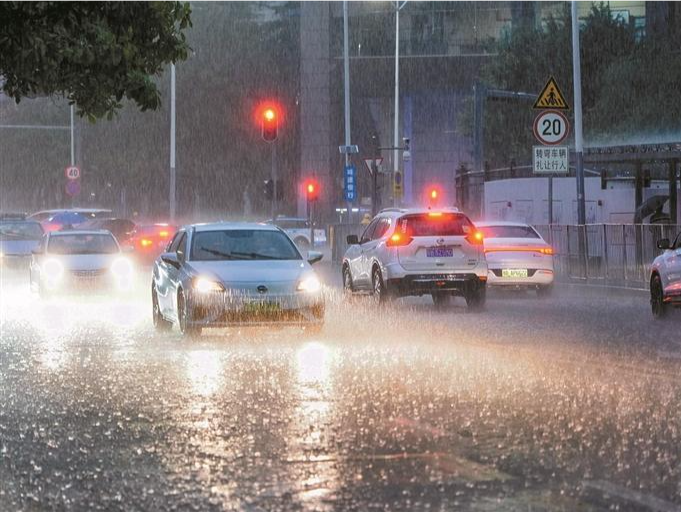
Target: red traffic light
(433,195)
(311,190)
(268,116)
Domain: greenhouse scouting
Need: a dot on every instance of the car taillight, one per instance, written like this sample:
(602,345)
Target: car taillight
(546,250)
(475,238)
(163,234)
(398,240)
(145,242)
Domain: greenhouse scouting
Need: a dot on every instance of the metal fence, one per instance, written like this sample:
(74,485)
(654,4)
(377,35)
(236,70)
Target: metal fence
(606,254)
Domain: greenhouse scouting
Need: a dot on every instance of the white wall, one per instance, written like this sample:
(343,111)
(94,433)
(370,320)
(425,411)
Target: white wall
(526,199)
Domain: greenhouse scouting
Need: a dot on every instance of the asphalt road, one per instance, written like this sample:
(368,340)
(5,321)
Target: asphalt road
(569,403)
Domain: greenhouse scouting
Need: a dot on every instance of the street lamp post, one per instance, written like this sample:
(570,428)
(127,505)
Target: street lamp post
(171,198)
(396,133)
(346,69)
(579,143)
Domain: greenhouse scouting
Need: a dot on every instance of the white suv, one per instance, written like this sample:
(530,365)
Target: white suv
(665,277)
(418,251)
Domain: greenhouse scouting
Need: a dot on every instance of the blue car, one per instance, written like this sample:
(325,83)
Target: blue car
(18,239)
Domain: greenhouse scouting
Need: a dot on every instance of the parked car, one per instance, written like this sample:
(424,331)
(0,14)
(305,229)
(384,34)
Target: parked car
(665,277)
(80,261)
(418,251)
(18,238)
(88,213)
(299,231)
(223,274)
(517,256)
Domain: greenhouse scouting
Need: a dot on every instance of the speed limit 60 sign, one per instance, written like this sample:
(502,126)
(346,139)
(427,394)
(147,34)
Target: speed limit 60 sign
(72,172)
(551,127)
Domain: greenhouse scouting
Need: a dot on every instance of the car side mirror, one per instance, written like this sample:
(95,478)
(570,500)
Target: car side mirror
(663,244)
(314,257)
(352,240)
(171,259)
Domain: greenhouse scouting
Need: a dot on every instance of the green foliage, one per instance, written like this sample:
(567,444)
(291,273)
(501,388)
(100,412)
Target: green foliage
(92,53)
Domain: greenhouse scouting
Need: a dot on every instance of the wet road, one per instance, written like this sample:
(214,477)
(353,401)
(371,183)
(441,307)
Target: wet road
(530,405)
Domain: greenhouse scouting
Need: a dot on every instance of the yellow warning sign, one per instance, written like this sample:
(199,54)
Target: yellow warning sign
(551,97)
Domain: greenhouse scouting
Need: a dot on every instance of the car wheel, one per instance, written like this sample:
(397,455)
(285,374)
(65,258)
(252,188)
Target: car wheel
(476,299)
(442,299)
(160,323)
(186,329)
(303,244)
(544,291)
(380,294)
(348,288)
(657,304)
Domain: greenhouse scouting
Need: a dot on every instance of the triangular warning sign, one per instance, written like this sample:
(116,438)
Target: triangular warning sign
(551,97)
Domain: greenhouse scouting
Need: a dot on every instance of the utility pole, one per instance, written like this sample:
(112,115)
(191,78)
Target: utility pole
(579,143)
(396,133)
(171,198)
(273,174)
(346,69)
(73,144)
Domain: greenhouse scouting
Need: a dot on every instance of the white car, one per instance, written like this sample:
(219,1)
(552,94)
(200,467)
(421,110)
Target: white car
(517,256)
(299,231)
(665,277)
(221,274)
(418,251)
(80,261)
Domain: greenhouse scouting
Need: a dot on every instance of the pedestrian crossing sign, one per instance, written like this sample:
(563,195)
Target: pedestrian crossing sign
(551,97)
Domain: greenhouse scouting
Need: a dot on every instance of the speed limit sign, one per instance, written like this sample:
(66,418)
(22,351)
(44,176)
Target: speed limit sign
(551,127)
(72,172)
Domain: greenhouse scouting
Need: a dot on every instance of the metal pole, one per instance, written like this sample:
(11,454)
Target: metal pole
(171,198)
(273,175)
(346,70)
(397,97)
(550,200)
(579,143)
(73,143)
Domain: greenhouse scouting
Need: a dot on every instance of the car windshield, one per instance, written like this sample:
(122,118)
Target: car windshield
(82,243)
(434,224)
(20,231)
(508,232)
(243,244)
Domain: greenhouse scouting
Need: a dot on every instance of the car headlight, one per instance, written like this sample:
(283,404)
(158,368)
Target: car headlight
(121,268)
(310,284)
(53,270)
(205,285)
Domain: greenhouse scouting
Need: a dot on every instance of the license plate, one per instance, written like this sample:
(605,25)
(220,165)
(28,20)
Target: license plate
(439,252)
(514,272)
(261,307)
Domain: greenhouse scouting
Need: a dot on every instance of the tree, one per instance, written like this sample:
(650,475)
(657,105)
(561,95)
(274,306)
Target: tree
(92,53)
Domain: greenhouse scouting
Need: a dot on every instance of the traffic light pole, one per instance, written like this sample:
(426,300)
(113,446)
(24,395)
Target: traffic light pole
(274,180)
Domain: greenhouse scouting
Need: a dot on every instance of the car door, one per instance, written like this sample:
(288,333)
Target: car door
(369,248)
(165,276)
(673,262)
(364,243)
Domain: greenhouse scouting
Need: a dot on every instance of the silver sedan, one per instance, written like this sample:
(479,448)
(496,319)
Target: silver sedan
(222,274)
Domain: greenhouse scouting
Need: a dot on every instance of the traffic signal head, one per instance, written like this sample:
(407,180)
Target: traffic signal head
(433,194)
(311,190)
(268,189)
(269,124)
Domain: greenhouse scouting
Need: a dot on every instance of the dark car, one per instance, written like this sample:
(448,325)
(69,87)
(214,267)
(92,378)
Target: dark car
(122,229)
(18,239)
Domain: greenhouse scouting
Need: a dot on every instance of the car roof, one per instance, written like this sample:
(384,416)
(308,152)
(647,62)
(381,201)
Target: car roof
(77,210)
(398,212)
(81,232)
(501,223)
(215,226)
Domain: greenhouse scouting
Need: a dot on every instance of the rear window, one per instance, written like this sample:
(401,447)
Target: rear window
(82,243)
(508,232)
(434,224)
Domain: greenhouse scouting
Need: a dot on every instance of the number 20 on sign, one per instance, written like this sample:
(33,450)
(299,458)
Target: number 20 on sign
(551,127)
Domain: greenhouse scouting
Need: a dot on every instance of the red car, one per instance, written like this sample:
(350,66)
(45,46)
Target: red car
(150,240)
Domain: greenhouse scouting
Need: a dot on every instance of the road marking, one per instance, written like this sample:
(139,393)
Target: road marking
(641,500)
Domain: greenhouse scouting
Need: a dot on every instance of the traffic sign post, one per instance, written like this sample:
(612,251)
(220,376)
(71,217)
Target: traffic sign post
(551,97)
(550,160)
(72,172)
(373,164)
(397,184)
(551,127)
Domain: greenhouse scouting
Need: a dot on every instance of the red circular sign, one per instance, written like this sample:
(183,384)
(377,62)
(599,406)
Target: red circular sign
(72,172)
(551,127)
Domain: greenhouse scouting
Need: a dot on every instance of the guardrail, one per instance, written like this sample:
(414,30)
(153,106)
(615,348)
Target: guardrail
(606,254)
